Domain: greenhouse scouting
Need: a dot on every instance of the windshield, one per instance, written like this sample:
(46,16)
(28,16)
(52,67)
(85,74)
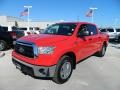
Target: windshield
(60,29)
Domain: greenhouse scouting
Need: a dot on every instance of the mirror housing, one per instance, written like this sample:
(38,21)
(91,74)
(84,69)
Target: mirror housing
(84,33)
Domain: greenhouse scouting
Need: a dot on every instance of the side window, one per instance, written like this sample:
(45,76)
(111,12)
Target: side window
(1,29)
(103,30)
(110,30)
(82,28)
(92,29)
(117,30)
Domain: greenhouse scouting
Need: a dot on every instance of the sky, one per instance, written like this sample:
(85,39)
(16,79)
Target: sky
(107,14)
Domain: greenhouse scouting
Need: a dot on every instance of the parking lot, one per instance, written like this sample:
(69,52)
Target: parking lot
(94,73)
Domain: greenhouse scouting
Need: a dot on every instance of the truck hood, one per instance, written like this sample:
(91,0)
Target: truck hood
(44,39)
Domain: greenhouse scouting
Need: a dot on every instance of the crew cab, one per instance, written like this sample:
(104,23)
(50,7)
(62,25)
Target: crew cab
(56,52)
(8,38)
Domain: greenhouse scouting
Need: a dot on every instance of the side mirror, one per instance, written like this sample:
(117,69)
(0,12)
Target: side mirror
(83,33)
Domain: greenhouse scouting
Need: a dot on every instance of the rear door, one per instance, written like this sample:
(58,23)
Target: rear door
(95,38)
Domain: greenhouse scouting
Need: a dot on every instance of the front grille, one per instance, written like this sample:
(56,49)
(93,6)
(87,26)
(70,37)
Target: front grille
(24,49)
(25,69)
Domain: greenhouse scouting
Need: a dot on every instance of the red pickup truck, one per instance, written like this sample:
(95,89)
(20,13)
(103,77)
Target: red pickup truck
(56,51)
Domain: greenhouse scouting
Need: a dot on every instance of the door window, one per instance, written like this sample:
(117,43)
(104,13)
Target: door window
(88,27)
(92,29)
(82,28)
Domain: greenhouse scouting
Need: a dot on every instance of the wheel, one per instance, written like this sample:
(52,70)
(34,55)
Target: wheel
(63,70)
(101,53)
(119,38)
(2,45)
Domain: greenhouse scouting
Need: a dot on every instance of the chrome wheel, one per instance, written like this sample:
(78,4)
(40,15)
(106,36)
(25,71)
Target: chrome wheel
(65,70)
(103,50)
(2,46)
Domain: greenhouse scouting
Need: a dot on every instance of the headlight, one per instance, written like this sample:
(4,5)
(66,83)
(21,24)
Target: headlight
(46,50)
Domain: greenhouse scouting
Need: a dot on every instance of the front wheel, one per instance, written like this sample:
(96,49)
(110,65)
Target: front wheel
(2,45)
(63,70)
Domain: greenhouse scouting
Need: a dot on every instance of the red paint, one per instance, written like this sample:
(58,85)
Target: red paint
(81,47)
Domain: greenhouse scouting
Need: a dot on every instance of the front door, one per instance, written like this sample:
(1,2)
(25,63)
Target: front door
(83,44)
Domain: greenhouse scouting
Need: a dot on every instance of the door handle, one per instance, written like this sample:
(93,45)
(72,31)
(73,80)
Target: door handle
(90,39)
(99,37)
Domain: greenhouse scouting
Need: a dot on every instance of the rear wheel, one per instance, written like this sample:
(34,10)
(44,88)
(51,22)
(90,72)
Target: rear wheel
(3,45)
(63,70)
(101,53)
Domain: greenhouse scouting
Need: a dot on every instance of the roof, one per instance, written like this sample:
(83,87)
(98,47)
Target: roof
(77,23)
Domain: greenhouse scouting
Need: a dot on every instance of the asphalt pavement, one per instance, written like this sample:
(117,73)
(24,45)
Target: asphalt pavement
(94,73)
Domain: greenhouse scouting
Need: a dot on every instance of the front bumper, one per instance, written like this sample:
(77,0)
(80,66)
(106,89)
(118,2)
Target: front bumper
(34,70)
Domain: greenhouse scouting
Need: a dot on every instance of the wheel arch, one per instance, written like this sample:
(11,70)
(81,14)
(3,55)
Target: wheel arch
(105,43)
(73,56)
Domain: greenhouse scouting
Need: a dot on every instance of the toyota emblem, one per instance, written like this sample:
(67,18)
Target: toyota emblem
(21,49)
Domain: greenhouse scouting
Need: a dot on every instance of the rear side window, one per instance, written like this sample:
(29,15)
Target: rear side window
(22,28)
(110,30)
(117,30)
(92,29)
(1,29)
(103,30)
(5,28)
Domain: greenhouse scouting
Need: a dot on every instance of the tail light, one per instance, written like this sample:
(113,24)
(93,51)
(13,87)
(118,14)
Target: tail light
(13,34)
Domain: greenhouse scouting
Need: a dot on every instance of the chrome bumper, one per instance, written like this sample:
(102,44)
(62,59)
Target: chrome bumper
(32,70)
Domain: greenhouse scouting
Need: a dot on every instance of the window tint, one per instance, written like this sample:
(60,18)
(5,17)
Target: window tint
(103,30)
(5,28)
(37,28)
(60,29)
(30,28)
(110,30)
(82,28)
(22,28)
(1,29)
(117,30)
(14,28)
(92,29)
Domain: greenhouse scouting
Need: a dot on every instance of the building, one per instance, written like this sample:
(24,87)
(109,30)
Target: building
(12,21)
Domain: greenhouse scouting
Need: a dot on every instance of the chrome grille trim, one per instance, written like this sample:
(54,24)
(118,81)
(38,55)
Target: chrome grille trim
(29,44)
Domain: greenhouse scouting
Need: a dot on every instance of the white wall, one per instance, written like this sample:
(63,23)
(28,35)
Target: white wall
(3,20)
(10,21)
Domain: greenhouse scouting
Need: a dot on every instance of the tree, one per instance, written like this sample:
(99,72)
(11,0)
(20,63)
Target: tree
(16,24)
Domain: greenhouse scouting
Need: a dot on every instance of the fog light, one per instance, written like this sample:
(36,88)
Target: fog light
(42,71)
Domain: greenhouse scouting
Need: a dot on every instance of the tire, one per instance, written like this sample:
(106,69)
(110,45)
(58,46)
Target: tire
(119,38)
(63,70)
(3,45)
(101,53)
